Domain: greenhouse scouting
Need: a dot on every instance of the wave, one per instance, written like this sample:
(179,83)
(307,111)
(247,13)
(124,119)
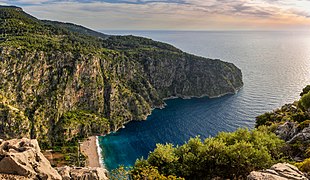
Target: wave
(99,152)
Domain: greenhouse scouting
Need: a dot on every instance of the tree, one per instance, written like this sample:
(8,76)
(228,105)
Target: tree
(305,101)
(305,90)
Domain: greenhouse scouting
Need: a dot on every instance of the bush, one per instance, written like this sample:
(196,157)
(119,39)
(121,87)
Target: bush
(304,166)
(263,119)
(228,155)
(305,90)
(305,101)
(151,173)
(304,124)
(119,174)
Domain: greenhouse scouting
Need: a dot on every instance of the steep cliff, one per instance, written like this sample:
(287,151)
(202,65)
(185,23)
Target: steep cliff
(65,81)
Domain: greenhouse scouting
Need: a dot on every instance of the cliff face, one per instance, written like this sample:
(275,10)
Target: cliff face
(186,76)
(66,82)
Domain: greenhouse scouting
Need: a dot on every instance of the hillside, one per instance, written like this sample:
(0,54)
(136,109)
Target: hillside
(61,82)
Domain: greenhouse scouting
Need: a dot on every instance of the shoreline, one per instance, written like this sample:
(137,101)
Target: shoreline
(99,152)
(91,149)
(203,95)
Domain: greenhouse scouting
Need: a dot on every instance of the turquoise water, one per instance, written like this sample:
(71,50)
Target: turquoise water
(275,66)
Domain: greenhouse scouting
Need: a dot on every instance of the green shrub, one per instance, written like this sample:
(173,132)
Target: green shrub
(304,124)
(228,155)
(305,101)
(305,90)
(263,119)
(304,166)
(151,173)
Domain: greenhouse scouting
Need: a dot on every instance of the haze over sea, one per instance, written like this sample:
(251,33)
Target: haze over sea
(275,67)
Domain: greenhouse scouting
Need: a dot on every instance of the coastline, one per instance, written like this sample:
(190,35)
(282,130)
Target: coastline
(203,95)
(99,152)
(91,149)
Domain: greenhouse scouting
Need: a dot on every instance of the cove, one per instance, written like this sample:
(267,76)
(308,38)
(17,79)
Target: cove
(275,67)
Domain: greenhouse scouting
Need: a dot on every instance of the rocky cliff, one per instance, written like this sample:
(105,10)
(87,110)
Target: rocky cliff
(61,82)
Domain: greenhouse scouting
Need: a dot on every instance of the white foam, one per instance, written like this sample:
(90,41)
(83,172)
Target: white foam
(99,152)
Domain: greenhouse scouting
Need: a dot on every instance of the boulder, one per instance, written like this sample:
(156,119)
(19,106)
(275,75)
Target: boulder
(12,177)
(303,136)
(280,171)
(287,130)
(77,173)
(23,158)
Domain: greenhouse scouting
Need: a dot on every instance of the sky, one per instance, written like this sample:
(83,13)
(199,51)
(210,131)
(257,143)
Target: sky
(173,14)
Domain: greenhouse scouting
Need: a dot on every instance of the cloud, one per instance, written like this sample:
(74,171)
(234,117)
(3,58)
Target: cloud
(173,14)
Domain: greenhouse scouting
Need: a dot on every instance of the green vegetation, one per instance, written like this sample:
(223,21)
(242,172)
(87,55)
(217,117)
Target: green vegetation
(13,122)
(145,172)
(79,124)
(305,90)
(305,101)
(304,166)
(228,155)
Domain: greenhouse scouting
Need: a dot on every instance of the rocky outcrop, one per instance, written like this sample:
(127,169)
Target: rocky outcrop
(302,136)
(22,159)
(280,171)
(287,130)
(297,136)
(76,173)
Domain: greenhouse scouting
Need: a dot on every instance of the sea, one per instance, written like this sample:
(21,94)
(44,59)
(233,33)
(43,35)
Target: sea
(275,67)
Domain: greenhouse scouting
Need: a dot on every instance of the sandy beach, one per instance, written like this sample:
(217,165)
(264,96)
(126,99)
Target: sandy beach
(89,149)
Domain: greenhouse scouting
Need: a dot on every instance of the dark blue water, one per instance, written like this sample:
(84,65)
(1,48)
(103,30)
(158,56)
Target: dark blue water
(275,66)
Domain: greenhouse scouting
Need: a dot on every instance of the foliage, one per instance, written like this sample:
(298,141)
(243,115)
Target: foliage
(304,166)
(120,173)
(305,101)
(228,155)
(305,90)
(151,173)
(79,124)
(304,124)
(289,112)
(13,122)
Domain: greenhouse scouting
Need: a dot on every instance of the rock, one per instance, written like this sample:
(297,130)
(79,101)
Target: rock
(287,130)
(280,171)
(303,136)
(64,172)
(77,173)
(23,159)
(12,177)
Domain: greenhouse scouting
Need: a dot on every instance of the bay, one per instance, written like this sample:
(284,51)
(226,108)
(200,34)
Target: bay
(275,67)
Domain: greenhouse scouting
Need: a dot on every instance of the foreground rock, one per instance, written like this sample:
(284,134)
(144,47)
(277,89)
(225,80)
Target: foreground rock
(280,171)
(22,159)
(76,173)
